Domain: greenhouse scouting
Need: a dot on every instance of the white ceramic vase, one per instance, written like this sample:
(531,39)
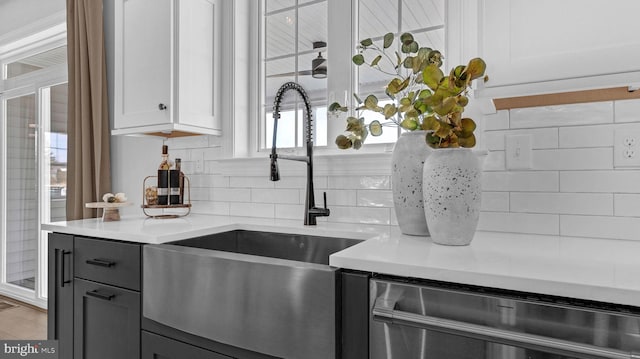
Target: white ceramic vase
(452,192)
(407,162)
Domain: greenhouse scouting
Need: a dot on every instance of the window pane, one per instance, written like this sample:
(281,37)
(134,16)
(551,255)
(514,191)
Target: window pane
(22,195)
(273,5)
(312,26)
(289,55)
(281,34)
(420,14)
(36,62)
(377,17)
(56,148)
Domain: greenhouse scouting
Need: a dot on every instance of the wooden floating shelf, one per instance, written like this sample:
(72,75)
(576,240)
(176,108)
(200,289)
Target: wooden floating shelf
(565,98)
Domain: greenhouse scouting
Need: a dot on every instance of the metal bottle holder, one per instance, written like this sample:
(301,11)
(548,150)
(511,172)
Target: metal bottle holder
(183,209)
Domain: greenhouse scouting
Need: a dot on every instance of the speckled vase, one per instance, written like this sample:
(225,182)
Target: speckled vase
(452,195)
(409,154)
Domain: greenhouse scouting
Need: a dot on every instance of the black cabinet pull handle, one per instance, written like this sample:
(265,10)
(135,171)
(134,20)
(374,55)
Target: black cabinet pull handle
(96,294)
(162,106)
(62,267)
(101,262)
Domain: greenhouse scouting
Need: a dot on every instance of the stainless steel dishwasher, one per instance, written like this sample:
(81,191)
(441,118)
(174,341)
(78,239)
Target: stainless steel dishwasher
(424,321)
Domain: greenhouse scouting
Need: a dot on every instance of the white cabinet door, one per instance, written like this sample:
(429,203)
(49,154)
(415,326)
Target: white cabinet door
(198,65)
(143,62)
(550,45)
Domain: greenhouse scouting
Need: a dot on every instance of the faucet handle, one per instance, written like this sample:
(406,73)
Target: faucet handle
(324,195)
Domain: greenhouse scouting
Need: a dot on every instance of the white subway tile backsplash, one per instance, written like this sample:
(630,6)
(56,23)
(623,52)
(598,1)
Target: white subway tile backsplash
(586,136)
(198,194)
(627,205)
(600,227)
(497,121)
(300,182)
(359,182)
(369,215)
(495,161)
(270,195)
(289,211)
(542,138)
(230,194)
(562,115)
(627,111)
(495,202)
(522,181)
(573,159)
(250,182)
(247,209)
(619,181)
(335,197)
(375,198)
(519,222)
(563,203)
(211,207)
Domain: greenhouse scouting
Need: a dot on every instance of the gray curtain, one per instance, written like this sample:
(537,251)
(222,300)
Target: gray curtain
(89,163)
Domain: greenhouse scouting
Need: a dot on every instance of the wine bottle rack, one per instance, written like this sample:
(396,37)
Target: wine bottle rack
(165,211)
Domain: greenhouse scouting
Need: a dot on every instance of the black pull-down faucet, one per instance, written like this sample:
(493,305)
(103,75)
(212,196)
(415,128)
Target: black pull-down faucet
(310,211)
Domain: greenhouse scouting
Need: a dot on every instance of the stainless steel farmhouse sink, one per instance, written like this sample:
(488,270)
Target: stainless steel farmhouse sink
(271,293)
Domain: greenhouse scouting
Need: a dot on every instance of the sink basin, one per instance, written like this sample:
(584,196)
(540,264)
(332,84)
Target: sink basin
(271,293)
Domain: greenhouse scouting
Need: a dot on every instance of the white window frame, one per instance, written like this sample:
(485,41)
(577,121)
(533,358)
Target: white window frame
(342,80)
(36,82)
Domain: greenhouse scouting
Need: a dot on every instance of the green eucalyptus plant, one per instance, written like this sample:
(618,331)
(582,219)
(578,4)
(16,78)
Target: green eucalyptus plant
(424,98)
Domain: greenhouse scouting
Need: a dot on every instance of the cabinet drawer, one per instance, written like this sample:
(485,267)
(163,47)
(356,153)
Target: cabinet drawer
(156,346)
(107,262)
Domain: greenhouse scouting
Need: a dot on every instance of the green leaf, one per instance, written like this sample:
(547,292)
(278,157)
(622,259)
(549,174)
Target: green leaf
(406,38)
(366,42)
(371,103)
(432,75)
(432,140)
(475,68)
(376,60)
(389,110)
(467,142)
(375,128)
(408,62)
(343,142)
(410,48)
(388,40)
(358,59)
(467,125)
(337,107)
(409,124)
(396,85)
(430,123)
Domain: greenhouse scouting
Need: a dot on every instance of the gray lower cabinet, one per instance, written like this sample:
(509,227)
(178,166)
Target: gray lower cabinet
(60,292)
(94,297)
(156,346)
(106,321)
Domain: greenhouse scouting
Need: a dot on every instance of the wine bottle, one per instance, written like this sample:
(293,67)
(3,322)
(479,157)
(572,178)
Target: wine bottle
(163,177)
(175,183)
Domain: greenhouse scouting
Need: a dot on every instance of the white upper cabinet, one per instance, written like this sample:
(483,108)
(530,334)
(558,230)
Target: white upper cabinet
(167,69)
(548,46)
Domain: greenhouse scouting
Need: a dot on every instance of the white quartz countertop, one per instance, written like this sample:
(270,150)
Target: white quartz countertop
(585,268)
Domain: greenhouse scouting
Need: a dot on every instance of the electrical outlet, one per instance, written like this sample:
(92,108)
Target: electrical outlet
(518,152)
(626,148)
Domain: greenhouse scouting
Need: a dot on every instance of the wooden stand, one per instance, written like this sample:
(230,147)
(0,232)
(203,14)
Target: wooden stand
(110,211)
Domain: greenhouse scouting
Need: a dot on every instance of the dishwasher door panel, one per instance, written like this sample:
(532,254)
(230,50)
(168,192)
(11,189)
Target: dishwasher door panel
(424,322)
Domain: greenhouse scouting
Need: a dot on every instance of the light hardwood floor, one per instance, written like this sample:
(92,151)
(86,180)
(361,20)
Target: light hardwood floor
(21,321)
